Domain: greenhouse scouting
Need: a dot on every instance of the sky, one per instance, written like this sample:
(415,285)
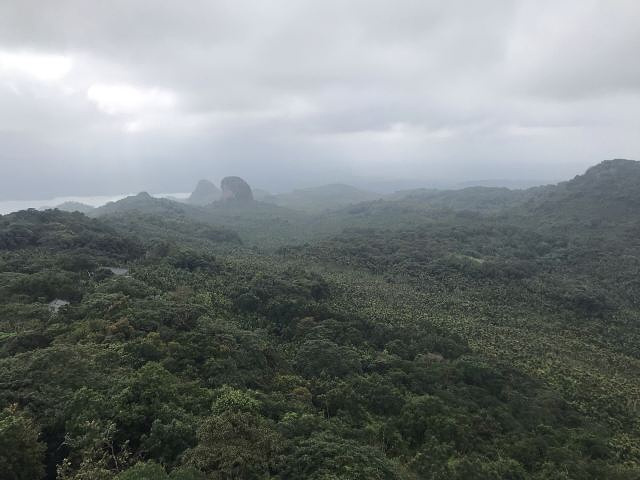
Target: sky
(100,98)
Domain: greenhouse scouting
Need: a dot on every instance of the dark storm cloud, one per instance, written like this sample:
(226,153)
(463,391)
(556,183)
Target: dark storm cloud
(106,97)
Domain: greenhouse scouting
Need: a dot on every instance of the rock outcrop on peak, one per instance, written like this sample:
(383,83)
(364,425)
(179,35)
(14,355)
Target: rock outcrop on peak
(204,194)
(235,188)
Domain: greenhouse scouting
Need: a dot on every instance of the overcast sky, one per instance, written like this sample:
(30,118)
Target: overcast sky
(104,97)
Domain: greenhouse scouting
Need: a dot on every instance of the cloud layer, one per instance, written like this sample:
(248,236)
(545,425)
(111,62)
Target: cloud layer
(107,97)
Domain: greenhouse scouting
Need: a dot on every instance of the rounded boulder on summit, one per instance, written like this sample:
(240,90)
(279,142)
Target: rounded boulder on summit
(235,188)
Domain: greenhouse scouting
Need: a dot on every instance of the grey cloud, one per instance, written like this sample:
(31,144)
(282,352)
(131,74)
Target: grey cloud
(325,91)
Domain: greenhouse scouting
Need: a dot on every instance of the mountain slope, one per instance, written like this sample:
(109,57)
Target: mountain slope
(477,199)
(607,194)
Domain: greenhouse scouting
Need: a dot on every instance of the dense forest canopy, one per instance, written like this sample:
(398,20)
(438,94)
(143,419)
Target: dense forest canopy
(471,334)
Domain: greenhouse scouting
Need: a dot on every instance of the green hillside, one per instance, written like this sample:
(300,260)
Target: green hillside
(607,194)
(470,334)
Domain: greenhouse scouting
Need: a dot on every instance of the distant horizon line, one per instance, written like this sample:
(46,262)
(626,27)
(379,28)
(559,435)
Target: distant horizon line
(358,183)
(13,205)
(96,201)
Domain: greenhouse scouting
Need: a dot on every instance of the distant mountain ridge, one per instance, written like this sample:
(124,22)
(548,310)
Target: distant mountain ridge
(606,196)
(75,207)
(142,202)
(324,197)
(479,199)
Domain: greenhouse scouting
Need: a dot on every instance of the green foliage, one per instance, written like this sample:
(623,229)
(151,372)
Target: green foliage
(21,452)
(323,357)
(325,456)
(235,400)
(236,445)
(154,471)
(143,471)
(473,335)
(61,231)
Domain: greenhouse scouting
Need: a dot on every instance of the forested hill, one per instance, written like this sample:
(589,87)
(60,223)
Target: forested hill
(607,194)
(483,334)
(476,199)
(144,203)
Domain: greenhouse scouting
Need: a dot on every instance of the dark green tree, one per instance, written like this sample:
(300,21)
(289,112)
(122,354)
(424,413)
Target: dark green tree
(236,445)
(21,453)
